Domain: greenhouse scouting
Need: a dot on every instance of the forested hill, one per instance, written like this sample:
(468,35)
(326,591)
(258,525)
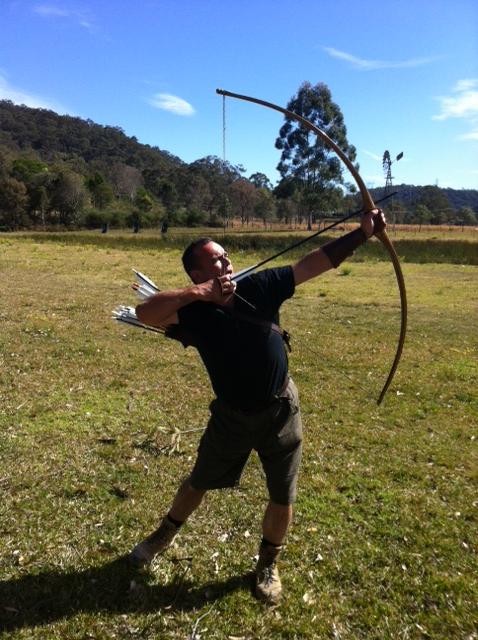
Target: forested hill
(53,136)
(409,195)
(62,170)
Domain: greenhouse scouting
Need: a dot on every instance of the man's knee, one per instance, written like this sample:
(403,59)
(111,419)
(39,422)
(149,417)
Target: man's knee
(188,486)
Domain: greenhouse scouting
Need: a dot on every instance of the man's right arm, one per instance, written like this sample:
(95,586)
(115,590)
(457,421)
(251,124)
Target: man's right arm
(161,309)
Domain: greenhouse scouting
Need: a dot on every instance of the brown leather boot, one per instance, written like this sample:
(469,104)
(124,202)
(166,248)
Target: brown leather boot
(268,584)
(142,555)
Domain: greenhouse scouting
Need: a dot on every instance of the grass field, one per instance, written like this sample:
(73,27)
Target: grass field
(100,422)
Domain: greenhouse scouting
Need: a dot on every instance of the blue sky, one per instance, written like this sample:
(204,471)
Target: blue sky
(405,74)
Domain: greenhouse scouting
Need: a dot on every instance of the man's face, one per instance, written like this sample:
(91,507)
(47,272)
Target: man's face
(212,261)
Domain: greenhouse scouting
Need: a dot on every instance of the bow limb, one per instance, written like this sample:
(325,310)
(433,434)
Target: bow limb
(383,237)
(368,205)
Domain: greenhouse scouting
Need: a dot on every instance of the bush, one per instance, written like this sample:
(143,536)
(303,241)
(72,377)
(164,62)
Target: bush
(195,218)
(145,219)
(215,221)
(117,218)
(93,219)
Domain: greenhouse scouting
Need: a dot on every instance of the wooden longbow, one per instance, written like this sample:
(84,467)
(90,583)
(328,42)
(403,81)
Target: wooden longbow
(368,205)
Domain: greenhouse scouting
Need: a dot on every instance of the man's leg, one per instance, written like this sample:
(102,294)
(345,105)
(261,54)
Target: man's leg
(277,519)
(187,499)
(280,456)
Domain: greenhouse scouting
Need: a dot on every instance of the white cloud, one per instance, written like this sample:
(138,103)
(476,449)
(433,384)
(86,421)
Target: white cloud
(18,96)
(463,103)
(367,65)
(467,83)
(55,11)
(471,135)
(50,10)
(374,156)
(171,103)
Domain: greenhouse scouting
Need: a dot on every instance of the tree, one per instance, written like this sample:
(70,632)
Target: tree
(466,216)
(306,161)
(100,191)
(168,194)
(68,197)
(26,169)
(197,193)
(261,181)
(13,204)
(143,200)
(4,165)
(422,215)
(286,210)
(126,180)
(39,203)
(36,176)
(219,175)
(437,203)
(241,196)
(264,206)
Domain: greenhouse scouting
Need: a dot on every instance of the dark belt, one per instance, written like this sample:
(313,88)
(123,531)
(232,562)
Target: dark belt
(284,386)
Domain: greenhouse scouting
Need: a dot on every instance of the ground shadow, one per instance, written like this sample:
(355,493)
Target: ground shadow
(42,598)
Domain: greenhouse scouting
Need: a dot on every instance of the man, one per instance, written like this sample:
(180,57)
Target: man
(235,328)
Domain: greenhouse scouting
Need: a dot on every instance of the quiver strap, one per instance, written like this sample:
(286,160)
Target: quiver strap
(184,336)
(267,324)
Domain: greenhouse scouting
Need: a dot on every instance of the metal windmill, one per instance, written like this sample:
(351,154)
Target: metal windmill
(387,168)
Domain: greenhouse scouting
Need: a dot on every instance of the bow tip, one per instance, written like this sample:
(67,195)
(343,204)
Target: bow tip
(381,396)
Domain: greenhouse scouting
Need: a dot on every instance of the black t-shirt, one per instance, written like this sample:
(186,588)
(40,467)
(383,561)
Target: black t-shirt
(247,363)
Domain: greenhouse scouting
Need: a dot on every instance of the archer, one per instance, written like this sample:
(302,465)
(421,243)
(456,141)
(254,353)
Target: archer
(256,404)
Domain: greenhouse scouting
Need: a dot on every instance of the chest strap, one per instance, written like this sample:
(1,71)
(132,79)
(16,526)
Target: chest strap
(176,332)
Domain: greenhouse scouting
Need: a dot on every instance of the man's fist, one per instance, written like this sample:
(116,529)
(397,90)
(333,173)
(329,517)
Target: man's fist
(373,222)
(379,222)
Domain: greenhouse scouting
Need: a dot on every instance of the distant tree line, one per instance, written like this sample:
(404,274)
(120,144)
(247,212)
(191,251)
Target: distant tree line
(431,205)
(64,171)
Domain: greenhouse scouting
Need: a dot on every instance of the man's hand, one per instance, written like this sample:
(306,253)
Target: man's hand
(373,222)
(219,290)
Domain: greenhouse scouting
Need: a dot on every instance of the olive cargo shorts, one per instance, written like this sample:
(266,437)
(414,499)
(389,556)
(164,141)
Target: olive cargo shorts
(274,432)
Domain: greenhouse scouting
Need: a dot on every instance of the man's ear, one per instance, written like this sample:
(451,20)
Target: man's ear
(194,274)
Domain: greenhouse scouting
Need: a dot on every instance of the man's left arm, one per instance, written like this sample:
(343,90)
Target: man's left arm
(334,253)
